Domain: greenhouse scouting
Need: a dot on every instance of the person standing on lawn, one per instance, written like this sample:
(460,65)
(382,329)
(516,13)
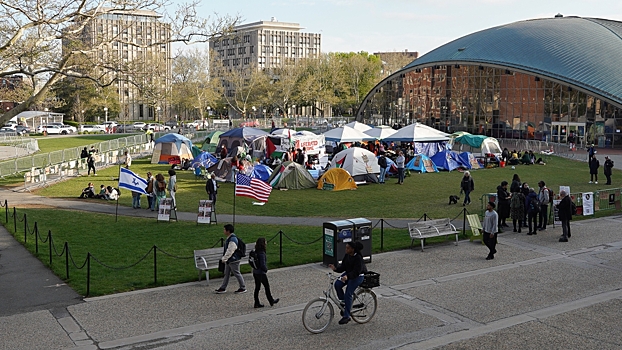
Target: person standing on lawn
(467,186)
(608,166)
(594,165)
(399,163)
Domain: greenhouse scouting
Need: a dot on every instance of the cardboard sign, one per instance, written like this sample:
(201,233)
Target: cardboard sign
(164,209)
(588,203)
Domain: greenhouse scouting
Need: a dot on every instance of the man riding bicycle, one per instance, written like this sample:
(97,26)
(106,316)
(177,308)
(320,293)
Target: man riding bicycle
(353,268)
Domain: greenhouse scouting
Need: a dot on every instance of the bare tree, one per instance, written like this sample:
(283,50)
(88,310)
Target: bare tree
(241,87)
(32,32)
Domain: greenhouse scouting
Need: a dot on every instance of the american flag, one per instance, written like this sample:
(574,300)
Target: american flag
(252,187)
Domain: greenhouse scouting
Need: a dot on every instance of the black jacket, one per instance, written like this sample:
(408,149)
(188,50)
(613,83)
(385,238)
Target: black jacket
(594,165)
(209,186)
(262,263)
(608,165)
(564,209)
(353,265)
(467,184)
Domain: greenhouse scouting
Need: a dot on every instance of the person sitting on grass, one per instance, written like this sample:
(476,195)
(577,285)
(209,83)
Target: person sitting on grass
(102,192)
(88,192)
(526,159)
(111,193)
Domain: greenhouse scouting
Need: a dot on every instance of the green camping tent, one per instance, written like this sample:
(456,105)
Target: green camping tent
(292,176)
(211,141)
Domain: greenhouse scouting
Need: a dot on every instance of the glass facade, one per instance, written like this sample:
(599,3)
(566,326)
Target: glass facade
(493,101)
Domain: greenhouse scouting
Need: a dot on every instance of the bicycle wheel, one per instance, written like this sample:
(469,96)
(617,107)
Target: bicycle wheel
(317,315)
(364,305)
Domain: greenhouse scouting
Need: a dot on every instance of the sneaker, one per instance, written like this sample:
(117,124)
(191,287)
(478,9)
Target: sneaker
(596,182)
(344,320)
(220,290)
(563,239)
(590,182)
(240,291)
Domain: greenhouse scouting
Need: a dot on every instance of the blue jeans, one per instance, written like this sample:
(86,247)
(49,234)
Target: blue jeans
(467,198)
(136,202)
(151,201)
(400,174)
(383,172)
(351,287)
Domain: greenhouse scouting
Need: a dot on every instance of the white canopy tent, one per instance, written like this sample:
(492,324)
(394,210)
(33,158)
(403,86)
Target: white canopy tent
(418,133)
(381,132)
(359,126)
(346,134)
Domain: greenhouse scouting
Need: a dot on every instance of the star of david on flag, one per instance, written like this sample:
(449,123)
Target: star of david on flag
(132,182)
(251,187)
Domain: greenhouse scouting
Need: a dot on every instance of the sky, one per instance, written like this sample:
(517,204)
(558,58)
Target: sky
(398,25)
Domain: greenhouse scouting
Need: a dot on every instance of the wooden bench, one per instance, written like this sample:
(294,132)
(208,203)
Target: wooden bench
(431,228)
(207,259)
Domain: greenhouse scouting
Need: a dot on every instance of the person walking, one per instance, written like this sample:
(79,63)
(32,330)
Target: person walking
(399,163)
(260,274)
(517,209)
(382,163)
(564,210)
(594,165)
(490,229)
(544,199)
(231,259)
(503,199)
(608,166)
(211,187)
(533,209)
(128,160)
(172,186)
(467,186)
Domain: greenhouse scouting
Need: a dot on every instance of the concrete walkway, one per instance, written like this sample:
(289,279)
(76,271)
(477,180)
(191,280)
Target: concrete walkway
(536,294)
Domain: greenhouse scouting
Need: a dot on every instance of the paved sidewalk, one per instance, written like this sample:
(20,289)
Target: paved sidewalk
(537,293)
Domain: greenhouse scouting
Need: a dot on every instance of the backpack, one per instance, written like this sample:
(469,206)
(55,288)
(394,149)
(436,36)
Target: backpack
(253,261)
(240,252)
(382,162)
(161,186)
(534,205)
(551,194)
(573,208)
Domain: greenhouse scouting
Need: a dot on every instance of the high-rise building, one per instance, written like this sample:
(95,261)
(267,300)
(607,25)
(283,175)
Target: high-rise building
(266,44)
(137,43)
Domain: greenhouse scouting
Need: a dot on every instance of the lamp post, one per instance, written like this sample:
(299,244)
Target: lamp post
(157,114)
(295,116)
(254,115)
(106,112)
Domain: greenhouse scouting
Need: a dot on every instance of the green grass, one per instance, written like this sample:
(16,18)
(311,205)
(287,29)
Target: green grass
(113,247)
(52,143)
(421,193)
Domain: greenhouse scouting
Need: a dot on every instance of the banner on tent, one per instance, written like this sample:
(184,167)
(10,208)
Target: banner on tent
(205,212)
(164,210)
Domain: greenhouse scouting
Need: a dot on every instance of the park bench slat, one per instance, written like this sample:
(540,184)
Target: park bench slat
(431,228)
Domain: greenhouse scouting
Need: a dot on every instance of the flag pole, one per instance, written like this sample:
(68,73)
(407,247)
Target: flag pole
(235,184)
(116,211)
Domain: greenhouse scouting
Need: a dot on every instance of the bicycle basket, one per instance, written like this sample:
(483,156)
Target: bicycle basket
(371,280)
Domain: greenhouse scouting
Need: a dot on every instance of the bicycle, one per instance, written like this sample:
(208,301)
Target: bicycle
(319,312)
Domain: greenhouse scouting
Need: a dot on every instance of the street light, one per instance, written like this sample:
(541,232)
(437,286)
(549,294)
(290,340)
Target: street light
(157,114)
(106,111)
(295,117)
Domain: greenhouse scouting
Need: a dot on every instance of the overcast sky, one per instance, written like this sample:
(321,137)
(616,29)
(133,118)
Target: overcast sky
(397,25)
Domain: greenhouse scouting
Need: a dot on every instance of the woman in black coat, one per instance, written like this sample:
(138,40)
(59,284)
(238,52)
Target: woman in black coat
(594,165)
(503,208)
(260,274)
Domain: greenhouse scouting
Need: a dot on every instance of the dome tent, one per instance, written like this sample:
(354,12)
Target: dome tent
(336,179)
(171,149)
(360,163)
(292,176)
(422,163)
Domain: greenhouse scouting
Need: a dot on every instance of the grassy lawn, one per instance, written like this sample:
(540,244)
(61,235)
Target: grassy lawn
(54,143)
(114,248)
(421,193)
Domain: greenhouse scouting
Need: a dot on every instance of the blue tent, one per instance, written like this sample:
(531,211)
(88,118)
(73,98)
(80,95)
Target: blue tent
(171,149)
(422,163)
(261,172)
(176,139)
(204,159)
(447,160)
(468,160)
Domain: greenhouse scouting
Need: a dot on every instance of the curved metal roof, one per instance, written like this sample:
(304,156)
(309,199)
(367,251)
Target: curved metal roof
(583,52)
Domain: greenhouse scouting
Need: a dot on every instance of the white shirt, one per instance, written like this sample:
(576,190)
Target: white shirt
(490,222)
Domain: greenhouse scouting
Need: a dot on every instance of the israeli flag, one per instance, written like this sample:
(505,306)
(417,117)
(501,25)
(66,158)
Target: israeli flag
(132,182)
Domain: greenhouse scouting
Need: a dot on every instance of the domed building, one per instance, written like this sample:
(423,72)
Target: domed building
(536,79)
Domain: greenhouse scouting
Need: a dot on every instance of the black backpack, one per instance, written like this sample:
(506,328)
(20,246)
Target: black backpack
(573,208)
(253,261)
(534,205)
(382,162)
(241,250)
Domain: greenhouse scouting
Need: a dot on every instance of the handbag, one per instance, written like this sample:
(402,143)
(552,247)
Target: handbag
(221,266)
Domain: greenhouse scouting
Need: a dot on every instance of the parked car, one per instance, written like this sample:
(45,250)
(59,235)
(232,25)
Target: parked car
(22,130)
(52,130)
(125,128)
(171,123)
(156,127)
(93,128)
(251,123)
(7,130)
(70,129)
(201,124)
(138,125)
